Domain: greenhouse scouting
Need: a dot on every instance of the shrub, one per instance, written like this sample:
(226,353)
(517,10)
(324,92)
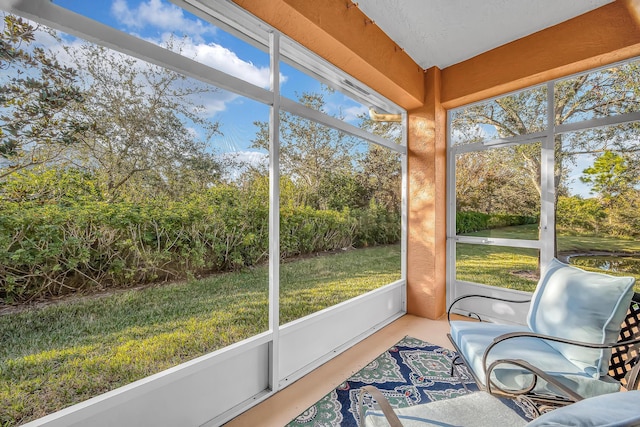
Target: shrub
(376,225)
(508,220)
(469,221)
(52,249)
(305,230)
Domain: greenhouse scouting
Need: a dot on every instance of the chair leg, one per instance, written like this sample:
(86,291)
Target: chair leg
(633,377)
(457,361)
(454,364)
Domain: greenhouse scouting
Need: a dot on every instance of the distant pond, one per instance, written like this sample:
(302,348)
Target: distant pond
(626,264)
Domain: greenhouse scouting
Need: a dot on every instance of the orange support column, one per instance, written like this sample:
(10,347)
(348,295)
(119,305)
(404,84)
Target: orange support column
(426,244)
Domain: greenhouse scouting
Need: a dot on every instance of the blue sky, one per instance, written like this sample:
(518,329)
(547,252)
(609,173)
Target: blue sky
(156,20)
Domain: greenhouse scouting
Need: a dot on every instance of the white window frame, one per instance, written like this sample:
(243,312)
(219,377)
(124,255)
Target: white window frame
(499,311)
(216,387)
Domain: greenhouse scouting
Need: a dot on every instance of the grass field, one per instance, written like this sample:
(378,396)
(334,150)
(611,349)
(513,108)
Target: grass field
(61,354)
(57,355)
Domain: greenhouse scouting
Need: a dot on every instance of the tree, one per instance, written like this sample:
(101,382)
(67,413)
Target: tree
(615,184)
(609,176)
(379,170)
(142,141)
(342,190)
(593,95)
(486,183)
(36,96)
(596,94)
(309,151)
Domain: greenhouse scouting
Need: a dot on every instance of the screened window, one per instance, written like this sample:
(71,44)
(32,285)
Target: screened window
(142,177)
(569,191)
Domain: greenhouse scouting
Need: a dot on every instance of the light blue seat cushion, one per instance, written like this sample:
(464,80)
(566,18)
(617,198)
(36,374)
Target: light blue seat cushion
(582,306)
(472,338)
(611,410)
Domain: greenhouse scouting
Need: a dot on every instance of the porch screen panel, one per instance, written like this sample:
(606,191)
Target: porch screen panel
(498,192)
(598,210)
(320,95)
(178,30)
(496,162)
(124,222)
(596,170)
(587,172)
(599,94)
(522,113)
(339,227)
(150,179)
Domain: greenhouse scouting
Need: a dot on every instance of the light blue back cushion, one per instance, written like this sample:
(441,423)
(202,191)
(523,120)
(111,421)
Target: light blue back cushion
(583,306)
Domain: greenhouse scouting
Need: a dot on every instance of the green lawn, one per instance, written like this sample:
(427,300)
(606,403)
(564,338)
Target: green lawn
(56,356)
(513,268)
(517,268)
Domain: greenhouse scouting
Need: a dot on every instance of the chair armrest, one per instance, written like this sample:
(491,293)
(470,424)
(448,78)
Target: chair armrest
(524,364)
(524,334)
(573,396)
(386,408)
(480,296)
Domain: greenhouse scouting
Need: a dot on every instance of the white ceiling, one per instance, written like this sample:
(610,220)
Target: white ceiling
(445,32)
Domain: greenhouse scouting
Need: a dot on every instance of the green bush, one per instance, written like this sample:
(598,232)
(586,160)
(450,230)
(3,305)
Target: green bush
(52,249)
(469,221)
(50,184)
(305,230)
(508,220)
(376,226)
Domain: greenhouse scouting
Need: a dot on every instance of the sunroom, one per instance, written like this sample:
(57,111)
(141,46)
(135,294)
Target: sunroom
(444,162)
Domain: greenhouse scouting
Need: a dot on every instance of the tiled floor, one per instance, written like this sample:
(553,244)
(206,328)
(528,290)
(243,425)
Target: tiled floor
(281,408)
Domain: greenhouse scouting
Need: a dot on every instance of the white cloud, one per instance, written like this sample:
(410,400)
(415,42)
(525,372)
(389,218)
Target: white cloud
(185,36)
(240,161)
(223,59)
(250,158)
(157,13)
(474,134)
(212,102)
(355,112)
(216,102)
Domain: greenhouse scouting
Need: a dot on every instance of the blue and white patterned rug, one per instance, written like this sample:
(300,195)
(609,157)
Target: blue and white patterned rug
(410,373)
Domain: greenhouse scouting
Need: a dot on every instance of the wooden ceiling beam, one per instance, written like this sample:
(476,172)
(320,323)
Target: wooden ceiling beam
(603,36)
(340,33)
